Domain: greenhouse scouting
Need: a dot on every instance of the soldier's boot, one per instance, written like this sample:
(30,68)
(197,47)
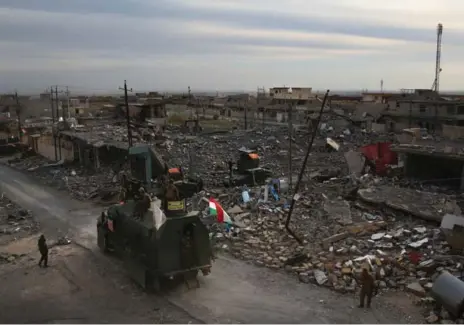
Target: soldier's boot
(362,296)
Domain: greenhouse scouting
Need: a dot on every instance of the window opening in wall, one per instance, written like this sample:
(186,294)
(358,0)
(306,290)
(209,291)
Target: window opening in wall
(450,110)
(397,104)
(461,110)
(422,108)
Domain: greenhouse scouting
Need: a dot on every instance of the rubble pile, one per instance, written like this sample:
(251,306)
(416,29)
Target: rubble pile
(207,154)
(15,222)
(117,132)
(341,237)
(80,182)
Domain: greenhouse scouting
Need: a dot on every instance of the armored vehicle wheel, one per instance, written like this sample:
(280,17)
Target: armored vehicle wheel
(152,282)
(105,247)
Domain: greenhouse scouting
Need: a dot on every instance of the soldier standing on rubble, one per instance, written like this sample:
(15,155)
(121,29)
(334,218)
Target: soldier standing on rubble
(43,249)
(367,288)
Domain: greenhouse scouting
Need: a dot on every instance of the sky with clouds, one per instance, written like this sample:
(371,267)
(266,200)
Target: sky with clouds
(229,44)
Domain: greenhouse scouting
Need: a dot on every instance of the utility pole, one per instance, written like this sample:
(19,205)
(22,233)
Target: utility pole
(264,110)
(126,100)
(58,121)
(189,103)
(53,121)
(57,106)
(245,109)
(67,116)
(290,138)
(18,114)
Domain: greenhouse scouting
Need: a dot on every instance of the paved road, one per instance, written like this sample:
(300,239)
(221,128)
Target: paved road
(234,292)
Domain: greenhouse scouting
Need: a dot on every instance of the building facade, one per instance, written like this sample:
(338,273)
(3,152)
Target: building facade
(300,95)
(423,109)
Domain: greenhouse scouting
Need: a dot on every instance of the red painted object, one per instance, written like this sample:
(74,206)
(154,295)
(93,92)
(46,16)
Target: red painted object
(381,155)
(415,257)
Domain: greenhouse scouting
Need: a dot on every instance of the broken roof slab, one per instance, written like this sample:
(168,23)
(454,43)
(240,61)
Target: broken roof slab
(424,205)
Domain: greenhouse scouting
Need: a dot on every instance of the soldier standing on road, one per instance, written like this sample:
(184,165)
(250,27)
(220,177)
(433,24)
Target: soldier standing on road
(43,249)
(367,288)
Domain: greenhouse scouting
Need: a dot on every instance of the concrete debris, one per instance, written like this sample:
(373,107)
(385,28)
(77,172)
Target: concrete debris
(432,319)
(15,222)
(320,276)
(416,288)
(425,205)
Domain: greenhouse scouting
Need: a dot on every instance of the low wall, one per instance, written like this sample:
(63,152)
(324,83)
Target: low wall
(46,148)
(453,131)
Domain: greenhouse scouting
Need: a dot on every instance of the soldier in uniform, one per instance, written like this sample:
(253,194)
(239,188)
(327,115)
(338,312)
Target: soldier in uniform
(43,249)
(172,192)
(367,288)
(143,204)
(123,193)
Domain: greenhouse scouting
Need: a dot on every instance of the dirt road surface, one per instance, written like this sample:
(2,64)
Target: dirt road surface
(234,292)
(75,288)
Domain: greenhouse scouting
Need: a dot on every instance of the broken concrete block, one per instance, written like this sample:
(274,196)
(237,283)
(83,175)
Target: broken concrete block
(326,242)
(346,270)
(320,276)
(303,277)
(416,289)
(339,210)
(432,319)
(378,236)
(235,209)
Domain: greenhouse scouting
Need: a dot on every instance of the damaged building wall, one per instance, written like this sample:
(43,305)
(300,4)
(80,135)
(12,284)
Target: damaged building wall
(435,170)
(453,132)
(46,148)
(112,155)
(377,127)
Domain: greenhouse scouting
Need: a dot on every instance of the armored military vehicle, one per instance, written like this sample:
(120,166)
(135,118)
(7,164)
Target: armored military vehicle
(157,246)
(165,241)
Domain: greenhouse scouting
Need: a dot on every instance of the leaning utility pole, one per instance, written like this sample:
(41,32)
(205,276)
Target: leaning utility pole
(18,114)
(302,170)
(126,100)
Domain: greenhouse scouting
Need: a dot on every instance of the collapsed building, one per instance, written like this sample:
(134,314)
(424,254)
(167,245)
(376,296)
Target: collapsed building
(434,163)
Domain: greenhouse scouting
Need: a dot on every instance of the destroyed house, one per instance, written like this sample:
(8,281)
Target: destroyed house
(434,163)
(429,114)
(151,109)
(91,149)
